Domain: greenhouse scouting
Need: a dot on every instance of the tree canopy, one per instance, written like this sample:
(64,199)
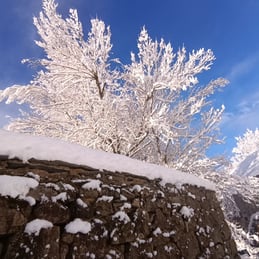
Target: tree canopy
(152,109)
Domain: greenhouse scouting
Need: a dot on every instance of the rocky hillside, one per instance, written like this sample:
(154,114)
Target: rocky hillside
(64,210)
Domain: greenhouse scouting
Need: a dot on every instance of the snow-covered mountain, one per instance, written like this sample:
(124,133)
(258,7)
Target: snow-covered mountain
(249,166)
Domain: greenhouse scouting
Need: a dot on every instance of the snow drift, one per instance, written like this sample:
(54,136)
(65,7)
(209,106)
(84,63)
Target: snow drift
(24,147)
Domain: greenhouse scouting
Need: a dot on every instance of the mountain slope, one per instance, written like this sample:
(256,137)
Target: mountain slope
(249,166)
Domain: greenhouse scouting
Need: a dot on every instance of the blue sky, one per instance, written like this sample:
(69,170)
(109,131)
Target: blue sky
(229,27)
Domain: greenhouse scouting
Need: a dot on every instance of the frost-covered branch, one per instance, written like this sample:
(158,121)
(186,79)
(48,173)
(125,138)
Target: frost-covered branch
(151,109)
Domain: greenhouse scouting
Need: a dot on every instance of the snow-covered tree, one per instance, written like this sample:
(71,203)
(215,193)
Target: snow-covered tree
(246,145)
(151,109)
(239,182)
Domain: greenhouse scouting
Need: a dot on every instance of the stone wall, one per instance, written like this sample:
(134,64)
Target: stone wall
(99,214)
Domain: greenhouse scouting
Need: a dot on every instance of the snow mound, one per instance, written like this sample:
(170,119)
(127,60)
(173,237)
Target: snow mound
(16,186)
(35,226)
(249,166)
(24,147)
(78,226)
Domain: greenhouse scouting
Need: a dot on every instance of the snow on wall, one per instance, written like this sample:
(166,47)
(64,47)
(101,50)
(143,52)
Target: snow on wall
(16,186)
(35,226)
(24,147)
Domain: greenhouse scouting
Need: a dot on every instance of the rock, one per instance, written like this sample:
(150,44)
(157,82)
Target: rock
(45,245)
(246,209)
(13,215)
(120,215)
(53,212)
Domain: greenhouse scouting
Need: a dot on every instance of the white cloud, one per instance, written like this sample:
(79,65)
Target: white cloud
(244,116)
(242,103)
(243,67)
(8,111)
